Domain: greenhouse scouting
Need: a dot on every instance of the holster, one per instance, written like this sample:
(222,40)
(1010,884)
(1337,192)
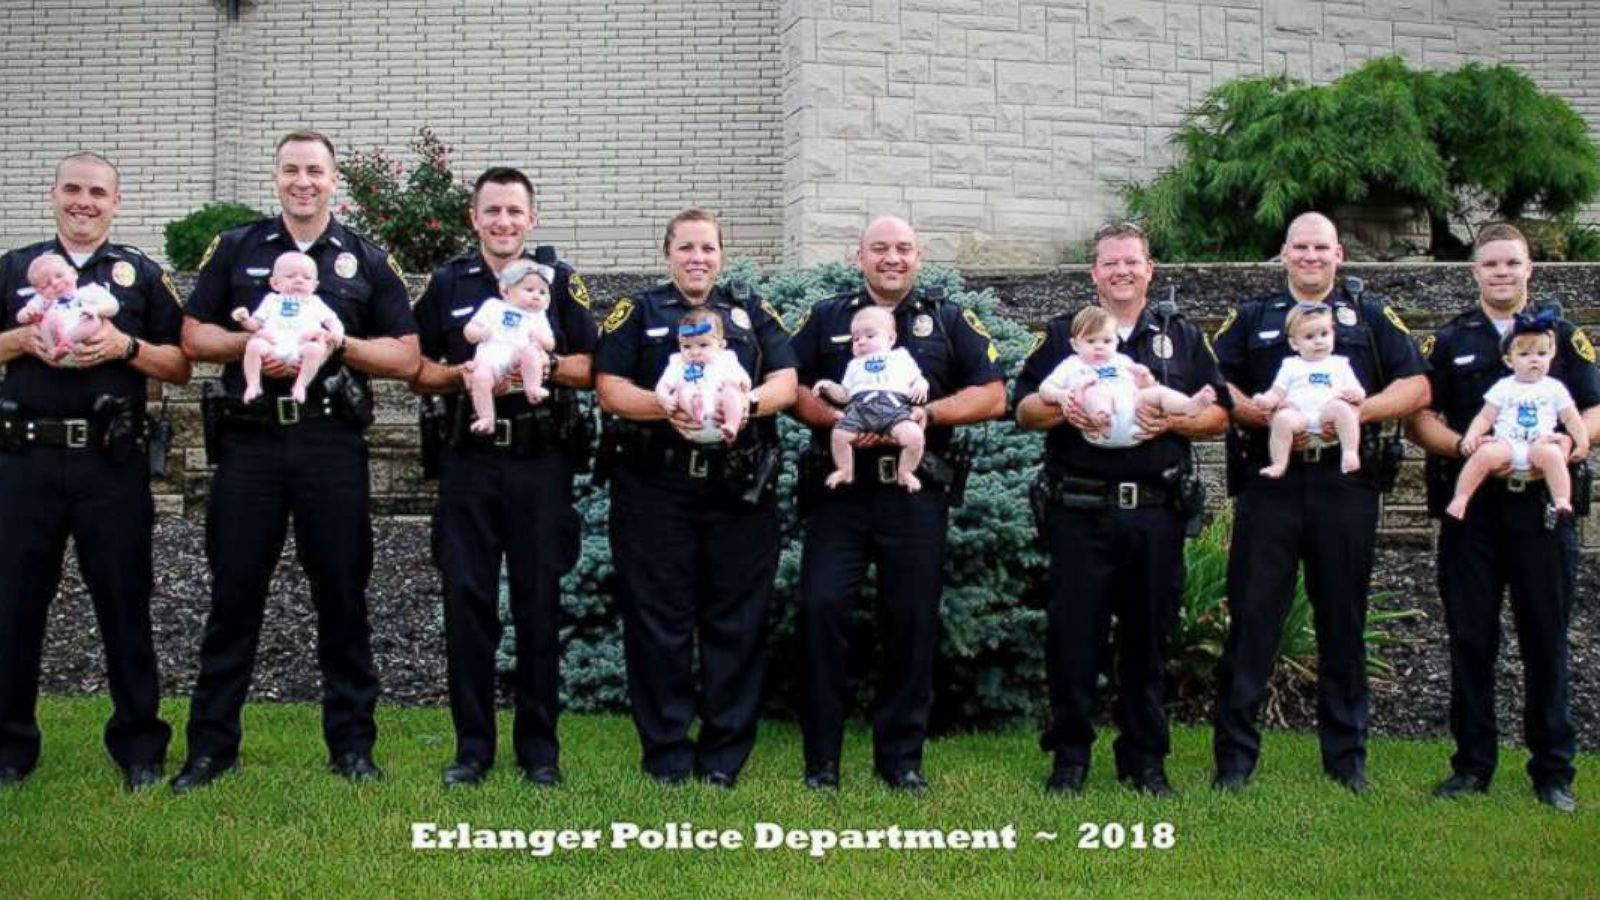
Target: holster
(1382,449)
(810,478)
(1189,495)
(433,422)
(11,423)
(1439,482)
(1582,487)
(213,400)
(120,424)
(351,396)
(1238,454)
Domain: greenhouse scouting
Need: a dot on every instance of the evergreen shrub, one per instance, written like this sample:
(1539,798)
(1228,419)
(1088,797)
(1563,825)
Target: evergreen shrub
(186,239)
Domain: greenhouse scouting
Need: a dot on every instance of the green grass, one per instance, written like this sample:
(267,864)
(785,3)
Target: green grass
(283,827)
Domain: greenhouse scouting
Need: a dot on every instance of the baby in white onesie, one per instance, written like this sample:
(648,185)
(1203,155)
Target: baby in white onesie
(705,378)
(1109,387)
(1523,409)
(512,331)
(1310,389)
(67,314)
(291,325)
(881,384)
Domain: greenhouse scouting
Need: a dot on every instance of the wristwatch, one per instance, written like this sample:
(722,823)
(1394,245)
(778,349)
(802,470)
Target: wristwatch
(755,405)
(133,349)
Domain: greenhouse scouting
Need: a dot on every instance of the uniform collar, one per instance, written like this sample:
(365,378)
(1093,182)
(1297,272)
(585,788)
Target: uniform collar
(913,302)
(674,297)
(106,250)
(335,235)
(1336,298)
(473,261)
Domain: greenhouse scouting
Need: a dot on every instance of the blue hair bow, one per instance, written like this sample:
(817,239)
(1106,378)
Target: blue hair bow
(694,330)
(1541,322)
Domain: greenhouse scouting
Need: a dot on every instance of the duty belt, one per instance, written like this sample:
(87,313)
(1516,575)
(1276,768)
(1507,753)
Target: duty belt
(1092,493)
(696,461)
(276,412)
(1317,454)
(525,433)
(70,433)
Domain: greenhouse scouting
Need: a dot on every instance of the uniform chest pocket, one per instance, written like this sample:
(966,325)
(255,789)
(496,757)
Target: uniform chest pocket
(1353,341)
(656,347)
(347,299)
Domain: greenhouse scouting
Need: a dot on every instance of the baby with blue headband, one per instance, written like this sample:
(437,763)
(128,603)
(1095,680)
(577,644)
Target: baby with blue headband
(705,378)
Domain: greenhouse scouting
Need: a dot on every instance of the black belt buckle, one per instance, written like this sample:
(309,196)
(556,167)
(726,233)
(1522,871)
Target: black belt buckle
(77,433)
(699,465)
(888,469)
(502,433)
(1128,495)
(288,411)
(1517,483)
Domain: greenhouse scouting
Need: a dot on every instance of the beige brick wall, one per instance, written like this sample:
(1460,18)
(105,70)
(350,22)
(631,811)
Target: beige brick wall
(1000,126)
(1557,42)
(623,112)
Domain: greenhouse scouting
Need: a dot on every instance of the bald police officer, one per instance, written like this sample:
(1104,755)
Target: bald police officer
(874,519)
(278,458)
(72,463)
(1314,513)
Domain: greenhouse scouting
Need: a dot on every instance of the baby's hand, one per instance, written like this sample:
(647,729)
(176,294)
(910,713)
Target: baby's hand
(1352,395)
(1470,445)
(919,391)
(239,315)
(1141,376)
(1268,402)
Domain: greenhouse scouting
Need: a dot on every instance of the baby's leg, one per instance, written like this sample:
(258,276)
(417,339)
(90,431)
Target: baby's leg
(734,403)
(1347,425)
(1549,459)
(1490,456)
(1286,423)
(482,386)
(908,435)
(844,457)
(1175,403)
(531,362)
(254,350)
(1100,406)
(693,403)
(312,352)
(80,329)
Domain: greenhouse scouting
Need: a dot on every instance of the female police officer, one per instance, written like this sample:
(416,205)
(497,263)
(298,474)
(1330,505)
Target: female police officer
(694,531)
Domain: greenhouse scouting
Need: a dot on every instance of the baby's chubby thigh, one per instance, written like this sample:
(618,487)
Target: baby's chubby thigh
(494,357)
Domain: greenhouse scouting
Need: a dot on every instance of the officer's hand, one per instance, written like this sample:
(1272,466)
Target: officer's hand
(1249,413)
(1075,415)
(273,367)
(105,345)
(36,346)
(1150,422)
(1470,445)
(684,424)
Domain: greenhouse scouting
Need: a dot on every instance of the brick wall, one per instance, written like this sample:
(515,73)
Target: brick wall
(999,127)
(1557,42)
(623,111)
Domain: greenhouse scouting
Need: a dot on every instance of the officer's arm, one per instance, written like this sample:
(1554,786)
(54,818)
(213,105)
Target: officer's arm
(1591,421)
(1400,399)
(575,370)
(1427,429)
(808,409)
(163,362)
(621,397)
(160,357)
(14,343)
(978,403)
(436,378)
(813,411)
(204,342)
(384,357)
(1034,413)
(1212,421)
(776,392)
(576,366)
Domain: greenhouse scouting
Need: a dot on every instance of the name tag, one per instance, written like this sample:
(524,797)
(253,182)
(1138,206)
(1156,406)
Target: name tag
(460,311)
(656,332)
(25,292)
(257,273)
(840,339)
(1463,360)
(1268,335)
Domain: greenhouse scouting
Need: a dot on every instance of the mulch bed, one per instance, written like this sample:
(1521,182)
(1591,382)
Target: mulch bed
(409,644)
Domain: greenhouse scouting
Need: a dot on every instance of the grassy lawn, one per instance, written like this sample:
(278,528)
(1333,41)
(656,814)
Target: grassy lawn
(282,827)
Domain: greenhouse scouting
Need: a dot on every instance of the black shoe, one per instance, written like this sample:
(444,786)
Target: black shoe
(140,776)
(669,779)
(1230,782)
(201,771)
(1066,781)
(541,776)
(1150,781)
(1461,784)
(11,776)
(1355,782)
(824,777)
(464,773)
(910,781)
(1557,796)
(720,780)
(355,766)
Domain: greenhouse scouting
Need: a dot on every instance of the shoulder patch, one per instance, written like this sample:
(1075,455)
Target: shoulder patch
(776,316)
(619,315)
(578,290)
(1206,341)
(1394,319)
(975,322)
(426,283)
(1426,346)
(1035,341)
(395,267)
(804,318)
(210,249)
(1227,322)
(172,289)
(1581,344)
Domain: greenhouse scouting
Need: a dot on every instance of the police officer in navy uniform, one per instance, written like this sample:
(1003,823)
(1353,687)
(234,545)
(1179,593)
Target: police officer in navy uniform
(694,528)
(506,495)
(72,462)
(1314,513)
(874,519)
(1509,537)
(1114,522)
(277,457)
